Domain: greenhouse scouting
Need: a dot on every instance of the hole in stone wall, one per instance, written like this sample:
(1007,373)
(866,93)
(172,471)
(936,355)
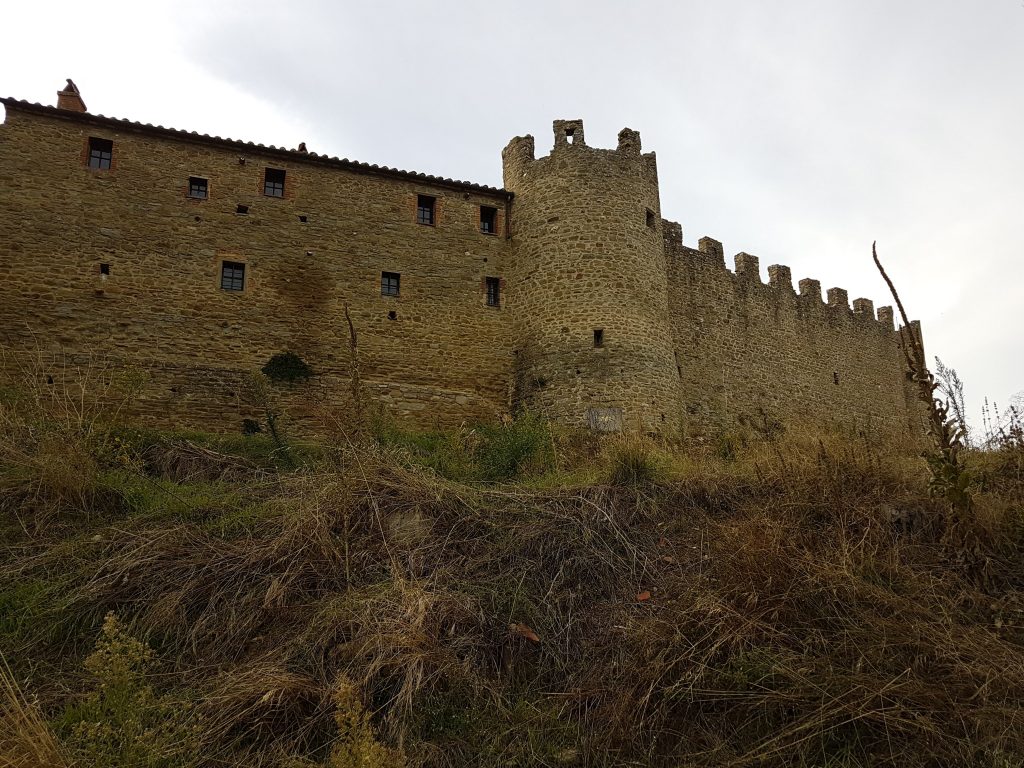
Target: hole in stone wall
(242,209)
(104,269)
(392,315)
(835,377)
(570,135)
(303,219)
(241,161)
(599,337)
(650,219)
(49,379)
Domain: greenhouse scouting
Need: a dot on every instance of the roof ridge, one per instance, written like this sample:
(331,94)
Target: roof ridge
(292,153)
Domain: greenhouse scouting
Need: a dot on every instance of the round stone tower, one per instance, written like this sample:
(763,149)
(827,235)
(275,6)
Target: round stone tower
(588,286)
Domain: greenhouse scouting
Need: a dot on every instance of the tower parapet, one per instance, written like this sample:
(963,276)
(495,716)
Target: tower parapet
(589,282)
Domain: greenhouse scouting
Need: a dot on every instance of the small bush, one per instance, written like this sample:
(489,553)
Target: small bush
(633,463)
(519,447)
(357,747)
(123,722)
(449,454)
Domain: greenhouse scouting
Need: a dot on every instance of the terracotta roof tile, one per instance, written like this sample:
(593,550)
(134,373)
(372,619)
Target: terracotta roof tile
(291,154)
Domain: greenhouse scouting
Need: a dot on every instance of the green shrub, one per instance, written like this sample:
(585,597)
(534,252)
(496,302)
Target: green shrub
(515,448)
(449,454)
(633,463)
(122,721)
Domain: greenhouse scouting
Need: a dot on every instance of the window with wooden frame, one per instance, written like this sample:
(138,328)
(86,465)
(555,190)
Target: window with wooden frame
(198,187)
(488,220)
(232,276)
(101,153)
(425,209)
(273,182)
(493,289)
(390,283)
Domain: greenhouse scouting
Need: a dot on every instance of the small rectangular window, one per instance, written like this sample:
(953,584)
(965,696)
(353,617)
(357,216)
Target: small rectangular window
(101,153)
(425,209)
(488,220)
(232,276)
(198,188)
(493,291)
(273,182)
(389,283)
(651,222)
(599,337)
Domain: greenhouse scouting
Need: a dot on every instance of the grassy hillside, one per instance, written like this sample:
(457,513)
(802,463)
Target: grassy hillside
(505,596)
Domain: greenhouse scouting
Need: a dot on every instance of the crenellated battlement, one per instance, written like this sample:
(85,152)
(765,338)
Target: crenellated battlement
(746,271)
(751,350)
(519,155)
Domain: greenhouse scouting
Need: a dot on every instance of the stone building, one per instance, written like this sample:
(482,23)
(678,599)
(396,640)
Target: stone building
(194,259)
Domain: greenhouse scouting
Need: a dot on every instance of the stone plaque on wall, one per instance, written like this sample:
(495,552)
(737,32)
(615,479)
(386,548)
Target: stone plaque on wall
(605,419)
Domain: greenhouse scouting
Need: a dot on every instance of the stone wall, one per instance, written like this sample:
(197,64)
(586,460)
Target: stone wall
(431,355)
(588,259)
(606,319)
(761,354)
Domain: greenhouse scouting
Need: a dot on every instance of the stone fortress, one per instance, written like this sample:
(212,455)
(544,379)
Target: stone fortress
(195,259)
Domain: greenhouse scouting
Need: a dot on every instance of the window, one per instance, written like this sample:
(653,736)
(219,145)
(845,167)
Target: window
(104,269)
(198,188)
(599,337)
(273,182)
(493,291)
(101,152)
(389,283)
(232,276)
(650,219)
(242,209)
(488,220)
(425,209)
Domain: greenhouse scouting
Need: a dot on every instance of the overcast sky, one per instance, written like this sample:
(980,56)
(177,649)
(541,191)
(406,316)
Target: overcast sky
(795,130)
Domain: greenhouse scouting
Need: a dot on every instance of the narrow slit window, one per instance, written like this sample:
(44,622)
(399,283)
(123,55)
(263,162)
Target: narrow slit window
(488,220)
(273,182)
(425,206)
(198,187)
(651,222)
(101,153)
(389,283)
(493,291)
(599,337)
(232,276)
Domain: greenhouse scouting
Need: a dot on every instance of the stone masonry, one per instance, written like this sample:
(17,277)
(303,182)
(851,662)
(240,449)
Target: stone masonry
(194,259)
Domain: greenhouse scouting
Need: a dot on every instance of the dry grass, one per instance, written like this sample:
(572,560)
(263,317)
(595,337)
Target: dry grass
(787,606)
(26,740)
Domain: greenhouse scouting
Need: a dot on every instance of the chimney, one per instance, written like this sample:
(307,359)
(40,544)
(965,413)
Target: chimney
(70,99)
